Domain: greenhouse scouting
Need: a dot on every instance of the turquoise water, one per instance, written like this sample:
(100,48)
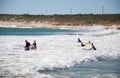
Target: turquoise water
(34,31)
(57,54)
(99,69)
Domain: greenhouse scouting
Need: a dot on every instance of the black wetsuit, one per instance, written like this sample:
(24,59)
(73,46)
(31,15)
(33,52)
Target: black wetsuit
(27,47)
(93,47)
(80,42)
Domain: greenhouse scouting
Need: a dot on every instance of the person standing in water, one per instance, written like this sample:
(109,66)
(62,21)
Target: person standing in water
(34,46)
(27,45)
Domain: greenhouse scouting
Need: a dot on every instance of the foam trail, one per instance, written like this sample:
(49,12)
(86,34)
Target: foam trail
(102,32)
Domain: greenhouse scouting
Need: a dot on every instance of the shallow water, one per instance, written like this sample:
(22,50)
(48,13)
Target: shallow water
(58,54)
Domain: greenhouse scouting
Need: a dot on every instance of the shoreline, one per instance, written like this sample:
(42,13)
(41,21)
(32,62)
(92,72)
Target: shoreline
(38,24)
(77,20)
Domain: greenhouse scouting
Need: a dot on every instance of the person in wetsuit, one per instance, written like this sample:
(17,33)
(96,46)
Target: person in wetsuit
(34,46)
(27,45)
(79,41)
(93,47)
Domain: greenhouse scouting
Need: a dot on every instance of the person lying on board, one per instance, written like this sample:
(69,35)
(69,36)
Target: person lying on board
(92,48)
(79,41)
(83,44)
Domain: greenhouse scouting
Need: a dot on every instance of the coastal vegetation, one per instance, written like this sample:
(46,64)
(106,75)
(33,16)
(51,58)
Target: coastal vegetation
(68,20)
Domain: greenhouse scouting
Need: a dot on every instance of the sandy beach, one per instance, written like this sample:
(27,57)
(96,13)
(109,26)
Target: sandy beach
(38,24)
(29,24)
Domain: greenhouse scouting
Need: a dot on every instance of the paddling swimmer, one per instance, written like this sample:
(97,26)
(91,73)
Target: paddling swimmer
(79,41)
(27,46)
(34,46)
(93,47)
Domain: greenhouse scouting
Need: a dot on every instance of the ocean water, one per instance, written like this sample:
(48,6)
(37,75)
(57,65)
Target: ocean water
(58,54)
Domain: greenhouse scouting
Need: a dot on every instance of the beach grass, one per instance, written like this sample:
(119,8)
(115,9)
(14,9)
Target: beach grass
(67,20)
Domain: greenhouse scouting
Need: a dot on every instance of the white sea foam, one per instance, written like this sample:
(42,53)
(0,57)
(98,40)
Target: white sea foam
(94,28)
(102,32)
(7,26)
(53,51)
